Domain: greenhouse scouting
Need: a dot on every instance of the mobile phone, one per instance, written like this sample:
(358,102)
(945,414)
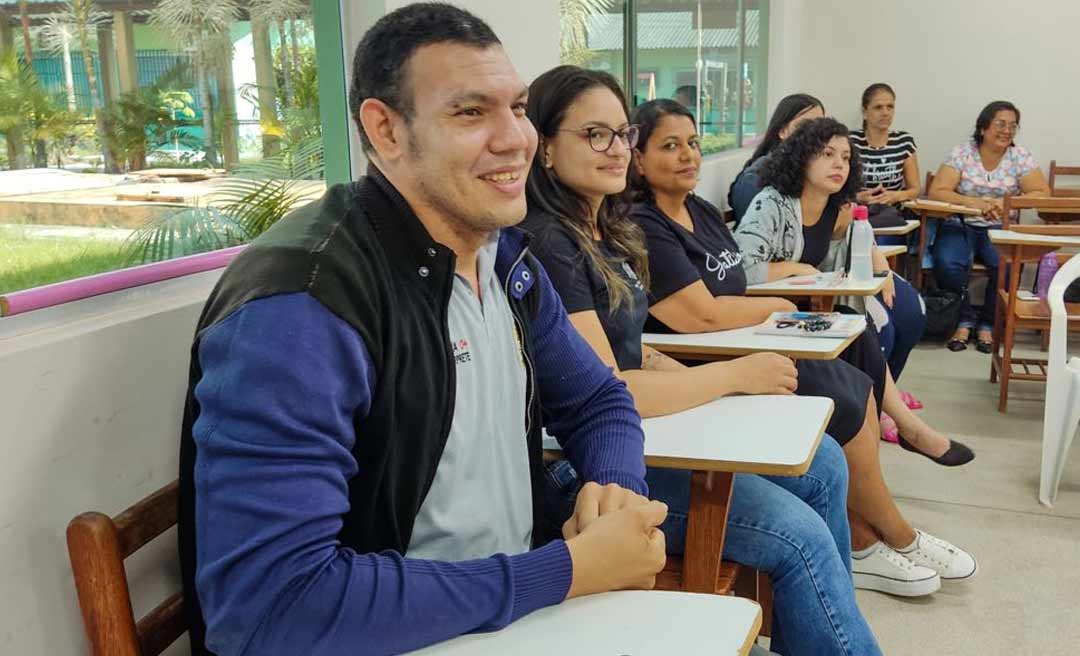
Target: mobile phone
(881,274)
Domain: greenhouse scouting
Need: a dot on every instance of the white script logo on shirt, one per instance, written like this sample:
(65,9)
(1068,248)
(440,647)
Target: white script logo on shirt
(720,264)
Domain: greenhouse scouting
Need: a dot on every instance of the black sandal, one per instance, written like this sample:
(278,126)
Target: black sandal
(984,345)
(957,345)
(958,453)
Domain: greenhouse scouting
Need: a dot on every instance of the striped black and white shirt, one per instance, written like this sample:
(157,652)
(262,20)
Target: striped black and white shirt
(884,166)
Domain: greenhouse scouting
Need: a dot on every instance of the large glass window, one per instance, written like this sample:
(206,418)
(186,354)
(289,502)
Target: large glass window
(593,34)
(167,128)
(710,55)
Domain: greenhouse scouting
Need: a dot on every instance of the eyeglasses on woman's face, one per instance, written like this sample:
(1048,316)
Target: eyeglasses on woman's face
(1005,126)
(601,138)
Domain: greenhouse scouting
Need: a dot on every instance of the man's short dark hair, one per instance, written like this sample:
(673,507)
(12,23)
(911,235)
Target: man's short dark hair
(379,67)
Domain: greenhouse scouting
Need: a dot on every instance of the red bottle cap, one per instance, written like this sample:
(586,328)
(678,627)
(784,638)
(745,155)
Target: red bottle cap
(860,213)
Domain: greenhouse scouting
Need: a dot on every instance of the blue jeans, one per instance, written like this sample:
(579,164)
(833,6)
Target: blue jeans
(904,329)
(796,530)
(955,249)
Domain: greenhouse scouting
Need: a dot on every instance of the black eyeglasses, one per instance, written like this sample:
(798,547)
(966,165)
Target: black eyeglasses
(601,139)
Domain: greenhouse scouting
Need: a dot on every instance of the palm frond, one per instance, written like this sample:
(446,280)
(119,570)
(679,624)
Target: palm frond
(273,11)
(243,206)
(185,232)
(574,18)
(58,30)
(202,26)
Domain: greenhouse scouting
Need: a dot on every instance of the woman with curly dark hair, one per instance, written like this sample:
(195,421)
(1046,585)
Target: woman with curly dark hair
(797,223)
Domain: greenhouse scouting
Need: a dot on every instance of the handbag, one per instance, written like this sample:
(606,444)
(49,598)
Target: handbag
(942,313)
(885,216)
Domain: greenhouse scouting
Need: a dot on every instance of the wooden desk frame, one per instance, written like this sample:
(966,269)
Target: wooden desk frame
(1016,253)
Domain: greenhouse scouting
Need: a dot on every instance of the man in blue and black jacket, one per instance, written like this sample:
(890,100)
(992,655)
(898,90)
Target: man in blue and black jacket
(361,464)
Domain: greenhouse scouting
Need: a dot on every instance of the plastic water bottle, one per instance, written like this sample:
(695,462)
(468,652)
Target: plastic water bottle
(862,244)
(1048,266)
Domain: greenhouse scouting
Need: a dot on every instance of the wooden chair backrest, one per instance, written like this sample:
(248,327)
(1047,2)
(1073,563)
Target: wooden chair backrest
(97,547)
(1043,204)
(1055,171)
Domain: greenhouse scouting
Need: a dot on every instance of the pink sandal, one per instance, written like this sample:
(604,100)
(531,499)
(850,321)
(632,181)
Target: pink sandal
(910,401)
(889,431)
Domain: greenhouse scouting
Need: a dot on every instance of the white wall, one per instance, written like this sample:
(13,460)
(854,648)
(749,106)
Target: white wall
(91,395)
(947,59)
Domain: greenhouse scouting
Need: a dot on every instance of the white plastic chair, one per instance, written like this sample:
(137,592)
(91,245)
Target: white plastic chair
(1062,414)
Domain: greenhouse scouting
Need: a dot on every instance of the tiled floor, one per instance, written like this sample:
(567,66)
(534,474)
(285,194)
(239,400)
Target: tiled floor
(1026,599)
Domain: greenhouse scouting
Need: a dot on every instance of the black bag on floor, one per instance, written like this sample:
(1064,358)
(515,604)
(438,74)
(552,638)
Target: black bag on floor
(1072,292)
(942,313)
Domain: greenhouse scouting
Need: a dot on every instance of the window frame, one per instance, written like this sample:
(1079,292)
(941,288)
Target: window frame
(330,54)
(630,64)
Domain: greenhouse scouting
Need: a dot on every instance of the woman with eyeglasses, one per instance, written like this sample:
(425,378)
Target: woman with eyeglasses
(686,238)
(795,529)
(978,174)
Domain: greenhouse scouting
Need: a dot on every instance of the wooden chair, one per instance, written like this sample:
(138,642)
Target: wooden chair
(923,219)
(97,547)
(1012,313)
(1061,192)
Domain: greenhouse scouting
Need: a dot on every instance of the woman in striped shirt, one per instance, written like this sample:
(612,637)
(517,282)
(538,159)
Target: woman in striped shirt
(890,164)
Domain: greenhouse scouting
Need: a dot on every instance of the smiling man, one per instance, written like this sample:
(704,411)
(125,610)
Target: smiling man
(361,466)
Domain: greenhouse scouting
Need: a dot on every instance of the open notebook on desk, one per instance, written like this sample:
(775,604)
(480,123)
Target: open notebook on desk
(812,324)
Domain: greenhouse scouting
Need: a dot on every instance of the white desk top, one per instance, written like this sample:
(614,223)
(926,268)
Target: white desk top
(630,622)
(751,434)
(1011,237)
(822,286)
(909,226)
(743,341)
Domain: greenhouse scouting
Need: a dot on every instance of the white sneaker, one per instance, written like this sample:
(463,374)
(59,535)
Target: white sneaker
(885,570)
(948,560)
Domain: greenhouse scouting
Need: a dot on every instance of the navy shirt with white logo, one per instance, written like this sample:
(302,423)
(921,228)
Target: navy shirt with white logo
(679,258)
(582,287)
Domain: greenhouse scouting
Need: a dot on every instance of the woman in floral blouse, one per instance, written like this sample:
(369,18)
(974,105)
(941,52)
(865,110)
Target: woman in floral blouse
(979,174)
